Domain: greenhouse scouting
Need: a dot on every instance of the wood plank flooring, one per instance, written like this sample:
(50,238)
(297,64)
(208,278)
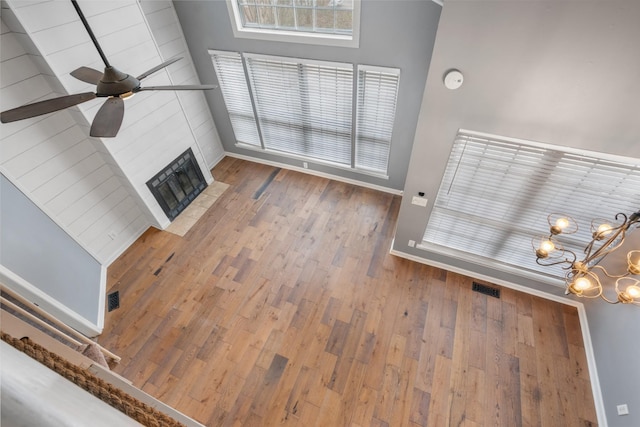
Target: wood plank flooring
(283,306)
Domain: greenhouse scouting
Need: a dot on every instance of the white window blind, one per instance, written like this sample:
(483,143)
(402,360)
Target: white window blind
(496,194)
(303,107)
(377,96)
(233,84)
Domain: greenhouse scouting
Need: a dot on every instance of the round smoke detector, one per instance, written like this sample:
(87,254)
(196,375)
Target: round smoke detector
(453,79)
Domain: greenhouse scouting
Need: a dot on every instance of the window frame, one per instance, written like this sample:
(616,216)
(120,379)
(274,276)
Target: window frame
(317,38)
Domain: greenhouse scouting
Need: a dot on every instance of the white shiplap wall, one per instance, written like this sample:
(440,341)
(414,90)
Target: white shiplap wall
(167,32)
(53,161)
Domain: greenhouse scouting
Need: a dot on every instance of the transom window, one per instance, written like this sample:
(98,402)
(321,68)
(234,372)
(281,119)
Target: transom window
(496,194)
(331,22)
(305,108)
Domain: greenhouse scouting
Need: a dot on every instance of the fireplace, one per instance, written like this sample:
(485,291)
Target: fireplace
(178,184)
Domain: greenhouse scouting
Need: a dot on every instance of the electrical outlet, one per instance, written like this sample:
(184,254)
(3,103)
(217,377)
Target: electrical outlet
(412,243)
(305,165)
(623,409)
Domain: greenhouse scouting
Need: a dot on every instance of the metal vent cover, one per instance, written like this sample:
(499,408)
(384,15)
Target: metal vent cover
(487,290)
(113,301)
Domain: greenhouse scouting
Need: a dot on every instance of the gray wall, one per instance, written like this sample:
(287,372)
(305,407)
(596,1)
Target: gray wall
(38,250)
(393,34)
(559,72)
(614,332)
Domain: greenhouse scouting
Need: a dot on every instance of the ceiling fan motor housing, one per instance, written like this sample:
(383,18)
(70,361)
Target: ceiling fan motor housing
(115,83)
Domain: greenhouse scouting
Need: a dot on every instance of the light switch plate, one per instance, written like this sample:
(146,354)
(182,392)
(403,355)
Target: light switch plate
(420,201)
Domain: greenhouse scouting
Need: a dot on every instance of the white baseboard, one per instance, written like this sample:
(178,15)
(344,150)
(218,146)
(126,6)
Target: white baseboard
(582,315)
(316,173)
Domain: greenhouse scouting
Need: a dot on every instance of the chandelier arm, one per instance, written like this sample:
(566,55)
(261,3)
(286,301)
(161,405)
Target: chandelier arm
(564,261)
(608,300)
(605,248)
(613,276)
(626,218)
(573,254)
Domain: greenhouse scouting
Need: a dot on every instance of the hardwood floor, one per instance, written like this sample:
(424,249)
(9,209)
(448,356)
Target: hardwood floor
(283,306)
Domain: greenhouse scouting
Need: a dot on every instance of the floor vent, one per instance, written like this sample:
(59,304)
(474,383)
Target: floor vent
(487,290)
(113,301)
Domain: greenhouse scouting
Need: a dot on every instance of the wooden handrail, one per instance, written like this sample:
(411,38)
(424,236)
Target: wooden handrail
(71,334)
(38,321)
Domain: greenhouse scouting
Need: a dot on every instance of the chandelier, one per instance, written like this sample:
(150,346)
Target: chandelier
(583,276)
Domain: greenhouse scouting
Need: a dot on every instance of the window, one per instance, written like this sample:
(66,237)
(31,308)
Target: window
(304,108)
(330,22)
(377,95)
(496,194)
(230,72)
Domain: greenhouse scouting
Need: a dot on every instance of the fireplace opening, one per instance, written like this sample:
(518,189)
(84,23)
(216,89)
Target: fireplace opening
(178,184)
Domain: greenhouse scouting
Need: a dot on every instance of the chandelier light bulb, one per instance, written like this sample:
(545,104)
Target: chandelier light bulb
(547,246)
(582,283)
(562,223)
(633,291)
(603,231)
(633,259)
(544,248)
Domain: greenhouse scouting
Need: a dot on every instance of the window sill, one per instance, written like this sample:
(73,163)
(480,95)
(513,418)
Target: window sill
(296,37)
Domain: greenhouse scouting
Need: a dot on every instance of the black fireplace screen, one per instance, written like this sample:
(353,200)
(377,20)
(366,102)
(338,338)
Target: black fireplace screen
(178,184)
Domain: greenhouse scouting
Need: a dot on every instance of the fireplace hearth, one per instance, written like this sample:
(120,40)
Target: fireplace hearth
(178,184)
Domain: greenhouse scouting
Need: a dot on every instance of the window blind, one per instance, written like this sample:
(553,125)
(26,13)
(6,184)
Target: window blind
(377,96)
(233,84)
(496,194)
(303,107)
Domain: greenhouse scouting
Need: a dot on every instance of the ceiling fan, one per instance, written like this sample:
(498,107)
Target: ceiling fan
(111,84)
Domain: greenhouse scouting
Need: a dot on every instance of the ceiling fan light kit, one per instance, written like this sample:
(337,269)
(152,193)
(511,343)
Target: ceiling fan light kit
(112,84)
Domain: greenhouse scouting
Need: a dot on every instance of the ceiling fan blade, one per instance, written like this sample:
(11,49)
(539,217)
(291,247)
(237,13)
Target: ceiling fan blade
(87,75)
(107,121)
(184,87)
(158,67)
(43,107)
